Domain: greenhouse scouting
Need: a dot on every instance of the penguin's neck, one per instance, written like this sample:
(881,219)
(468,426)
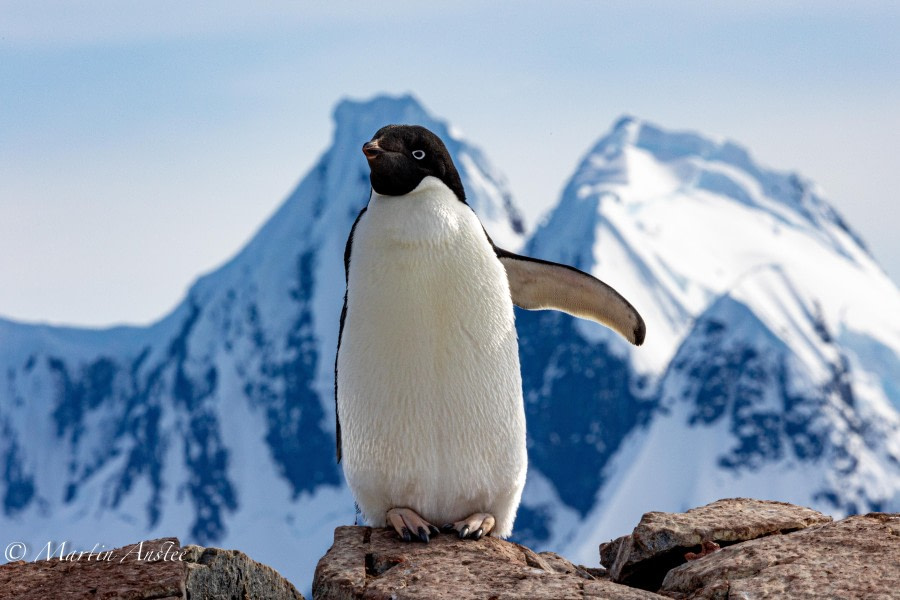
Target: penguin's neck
(427,215)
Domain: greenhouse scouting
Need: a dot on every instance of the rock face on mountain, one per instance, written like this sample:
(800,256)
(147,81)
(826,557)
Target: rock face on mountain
(159,569)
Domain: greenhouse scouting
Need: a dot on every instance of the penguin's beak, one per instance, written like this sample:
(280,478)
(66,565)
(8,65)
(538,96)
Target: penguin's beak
(372,149)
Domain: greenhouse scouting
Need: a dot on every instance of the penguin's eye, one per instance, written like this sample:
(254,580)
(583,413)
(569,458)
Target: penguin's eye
(418,154)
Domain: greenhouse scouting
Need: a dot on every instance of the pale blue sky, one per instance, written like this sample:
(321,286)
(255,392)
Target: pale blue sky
(142,144)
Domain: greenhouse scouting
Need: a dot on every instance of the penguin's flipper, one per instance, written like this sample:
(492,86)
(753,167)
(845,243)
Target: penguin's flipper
(539,284)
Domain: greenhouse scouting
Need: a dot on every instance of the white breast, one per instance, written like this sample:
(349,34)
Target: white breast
(429,389)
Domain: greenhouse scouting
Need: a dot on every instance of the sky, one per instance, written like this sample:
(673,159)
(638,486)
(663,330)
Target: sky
(143,144)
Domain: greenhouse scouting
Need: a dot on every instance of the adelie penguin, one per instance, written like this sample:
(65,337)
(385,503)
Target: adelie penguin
(431,421)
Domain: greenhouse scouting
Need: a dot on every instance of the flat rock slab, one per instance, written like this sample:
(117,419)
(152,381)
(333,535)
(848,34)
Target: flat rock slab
(858,557)
(374,564)
(159,569)
(660,541)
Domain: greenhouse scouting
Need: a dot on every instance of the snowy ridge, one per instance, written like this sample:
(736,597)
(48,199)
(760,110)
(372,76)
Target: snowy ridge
(679,219)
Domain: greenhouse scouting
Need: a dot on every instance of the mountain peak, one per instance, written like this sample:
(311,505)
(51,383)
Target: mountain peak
(362,118)
(686,212)
(639,162)
(664,144)
(349,108)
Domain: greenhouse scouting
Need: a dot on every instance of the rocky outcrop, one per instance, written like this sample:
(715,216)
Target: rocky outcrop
(755,549)
(374,564)
(215,573)
(730,549)
(661,541)
(735,548)
(156,569)
(858,557)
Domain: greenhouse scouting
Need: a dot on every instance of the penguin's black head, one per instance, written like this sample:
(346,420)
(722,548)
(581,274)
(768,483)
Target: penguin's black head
(401,156)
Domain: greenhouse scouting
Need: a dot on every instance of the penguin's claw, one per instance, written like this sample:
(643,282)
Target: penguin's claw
(409,525)
(423,535)
(473,527)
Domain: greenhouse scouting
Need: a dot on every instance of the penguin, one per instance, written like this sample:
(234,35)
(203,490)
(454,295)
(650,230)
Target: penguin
(428,389)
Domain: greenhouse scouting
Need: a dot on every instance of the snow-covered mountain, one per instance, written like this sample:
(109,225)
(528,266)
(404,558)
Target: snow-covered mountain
(772,359)
(217,423)
(771,367)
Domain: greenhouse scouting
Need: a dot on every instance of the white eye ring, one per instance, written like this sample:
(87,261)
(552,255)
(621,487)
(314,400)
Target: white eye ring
(418,154)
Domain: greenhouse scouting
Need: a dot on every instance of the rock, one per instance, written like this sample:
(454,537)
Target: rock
(216,573)
(159,569)
(374,564)
(858,557)
(661,540)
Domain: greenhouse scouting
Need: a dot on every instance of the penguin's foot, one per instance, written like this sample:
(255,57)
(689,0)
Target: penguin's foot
(410,526)
(473,527)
